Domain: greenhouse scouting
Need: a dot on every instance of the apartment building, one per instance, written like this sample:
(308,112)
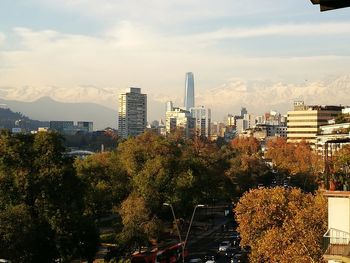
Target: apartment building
(304,121)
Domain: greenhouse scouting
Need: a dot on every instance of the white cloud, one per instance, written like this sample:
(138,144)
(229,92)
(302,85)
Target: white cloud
(292,30)
(132,52)
(160,11)
(2,38)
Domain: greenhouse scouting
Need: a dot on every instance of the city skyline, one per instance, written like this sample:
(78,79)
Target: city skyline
(243,54)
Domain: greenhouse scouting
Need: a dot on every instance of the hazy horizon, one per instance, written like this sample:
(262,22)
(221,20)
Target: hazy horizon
(242,53)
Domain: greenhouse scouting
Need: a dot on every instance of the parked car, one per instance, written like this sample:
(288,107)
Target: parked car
(224,245)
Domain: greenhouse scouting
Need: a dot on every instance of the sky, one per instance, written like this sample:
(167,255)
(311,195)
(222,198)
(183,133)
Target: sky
(153,43)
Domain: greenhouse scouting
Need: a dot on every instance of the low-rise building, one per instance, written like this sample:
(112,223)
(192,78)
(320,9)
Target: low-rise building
(336,241)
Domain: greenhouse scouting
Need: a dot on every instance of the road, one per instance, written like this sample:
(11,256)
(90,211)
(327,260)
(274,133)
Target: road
(209,245)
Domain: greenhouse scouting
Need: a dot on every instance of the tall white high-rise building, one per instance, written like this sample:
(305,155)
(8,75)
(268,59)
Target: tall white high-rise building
(132,113)
(189,91)
(202,116)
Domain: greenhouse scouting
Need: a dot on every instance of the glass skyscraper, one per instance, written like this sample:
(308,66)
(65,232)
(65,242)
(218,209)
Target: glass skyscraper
(189,91)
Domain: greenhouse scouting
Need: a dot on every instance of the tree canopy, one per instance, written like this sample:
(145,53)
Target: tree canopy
(39,188)
(282,225)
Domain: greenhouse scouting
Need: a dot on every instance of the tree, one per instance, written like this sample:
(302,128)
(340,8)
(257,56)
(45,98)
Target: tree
(247,171)
(247,168)
(38,183)
(282,225)
(247,145)
(106,182)
(140,226)
(296,160)
(341,159)
(23,239)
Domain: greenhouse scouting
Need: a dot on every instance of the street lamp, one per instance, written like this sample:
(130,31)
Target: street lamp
(183,244)
(177,227)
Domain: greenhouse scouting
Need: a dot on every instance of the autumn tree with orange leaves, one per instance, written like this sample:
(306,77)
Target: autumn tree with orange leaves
(282,225)
(247,168)
(297,160)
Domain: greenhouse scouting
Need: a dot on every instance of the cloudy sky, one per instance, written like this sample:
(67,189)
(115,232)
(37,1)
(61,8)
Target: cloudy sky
(152,43)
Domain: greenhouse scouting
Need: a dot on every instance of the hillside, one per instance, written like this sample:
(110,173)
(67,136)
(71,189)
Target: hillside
(10,119)
(47,109)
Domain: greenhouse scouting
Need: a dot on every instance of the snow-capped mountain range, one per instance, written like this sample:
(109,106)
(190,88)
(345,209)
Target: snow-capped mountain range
(258,96)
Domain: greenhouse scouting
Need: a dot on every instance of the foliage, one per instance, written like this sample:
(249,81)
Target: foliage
(140,227)
(39,184)
(247,145)
(297,160)
(341,159)
(282,225)
(106,183)
(247,168)
(171,170)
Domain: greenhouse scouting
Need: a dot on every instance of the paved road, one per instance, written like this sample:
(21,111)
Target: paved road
(210,245)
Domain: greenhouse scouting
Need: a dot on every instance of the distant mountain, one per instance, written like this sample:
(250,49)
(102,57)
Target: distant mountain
(10,119)
(46,109)
(100,104)
(262,96)
(106,97)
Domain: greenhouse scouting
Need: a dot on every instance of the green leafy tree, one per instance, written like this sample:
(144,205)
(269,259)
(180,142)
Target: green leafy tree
(107,184)
(39,182)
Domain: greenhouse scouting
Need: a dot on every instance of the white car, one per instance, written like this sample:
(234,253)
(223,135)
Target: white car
(224,246)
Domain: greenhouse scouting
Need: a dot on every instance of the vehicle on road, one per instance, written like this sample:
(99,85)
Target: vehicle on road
(235,235)
(170,254)
(224,245)
(195,260)
(231,251)
(209,258)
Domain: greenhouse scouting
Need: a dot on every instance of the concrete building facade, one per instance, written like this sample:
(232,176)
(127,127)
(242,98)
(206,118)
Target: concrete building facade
(132,113)
(202,118)
(180,119)
(304,121)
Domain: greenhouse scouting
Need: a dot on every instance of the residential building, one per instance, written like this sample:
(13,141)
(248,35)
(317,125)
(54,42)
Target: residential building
(189,91)
(87,126)
(304,121)
(61,126)
(169,106)
(69,128)
(241,125)
(132,113)
(180,119)
(202,118)
(231,120)
(218,129)
(272,130)
(243,112)
(336,241)
(332,137)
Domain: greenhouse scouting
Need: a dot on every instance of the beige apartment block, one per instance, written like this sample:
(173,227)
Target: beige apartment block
(303,122)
